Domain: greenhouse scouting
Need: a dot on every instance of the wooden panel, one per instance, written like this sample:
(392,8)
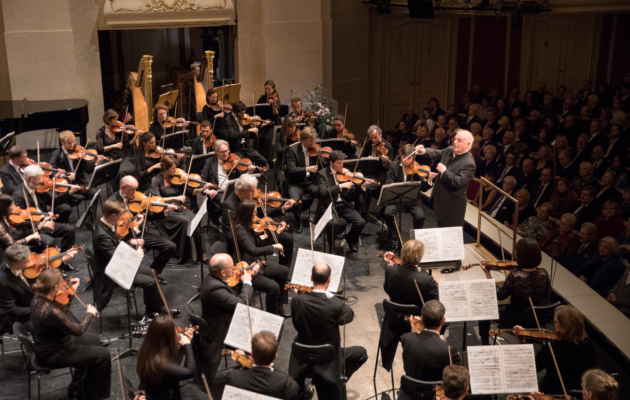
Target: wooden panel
(575,57)
(461,73)
(488,67)
(545,50)
(432,55)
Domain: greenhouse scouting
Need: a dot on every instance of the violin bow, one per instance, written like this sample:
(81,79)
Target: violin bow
(187,176)
(52,207)
(263,206)
(76,168)
(122,386)
(133,232)
(146,216)
(450,357)
(238,254)
(205,383)
(157,283)
(503,251)
(37,151)
(254,101)
(312,251)
(550,350)
(28,209)
(400,237)
(420,293)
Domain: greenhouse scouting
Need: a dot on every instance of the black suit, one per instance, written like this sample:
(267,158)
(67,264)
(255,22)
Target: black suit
(527,181)
(570,171)
(494,125)
(401,288)
(586,214)
(239,140)
(600,139)
(511,104)
(599,170)
(105,242)
(210,174)
(15,298)
(301,186)
(512,171)
(343,199)
(571,258)
(466,122)
(218,303)
(316,319)
(618,149)
(162,245)
(44,201)
(197,148)
(10,179)
(504,210)
(264,381)
(539,194)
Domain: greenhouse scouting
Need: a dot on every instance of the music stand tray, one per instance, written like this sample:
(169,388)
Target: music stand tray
(229,93)
(104,173)
(88,209)
(168,98)
(445,266)
(368,166)
(264,111)
(173,136)
(335,144)
(198,161)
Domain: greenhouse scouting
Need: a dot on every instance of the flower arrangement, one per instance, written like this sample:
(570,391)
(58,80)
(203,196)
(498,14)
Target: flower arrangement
(321,106)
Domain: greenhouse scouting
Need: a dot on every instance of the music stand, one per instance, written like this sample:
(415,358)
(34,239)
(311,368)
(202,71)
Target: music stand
(335,144)
(172,136)
(5,142)
(95,199)
(168,98)
(368,166)
(446,267)
(104,173)
(399,193)
(198,161)
(263,111)
(283,110)
(229,93)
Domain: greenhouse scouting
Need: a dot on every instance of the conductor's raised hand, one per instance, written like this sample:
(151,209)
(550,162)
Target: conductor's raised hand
(420,149)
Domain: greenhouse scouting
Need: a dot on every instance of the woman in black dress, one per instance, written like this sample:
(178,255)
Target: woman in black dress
(159,129)
(175,224)
(146,166)
(283,141)
(109,143)
(525,282)
(209,114)
(62,343)
(159,368)
(271,97)
(273,276)
(23,233)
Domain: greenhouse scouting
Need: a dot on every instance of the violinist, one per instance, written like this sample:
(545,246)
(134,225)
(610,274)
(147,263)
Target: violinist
(527,281)
(16,290)
(598,385)
(11,173)
(159,366)
(110,143)
(199,143)
(209,112)
(264,378)
(175,225)
(238,135)
(271,97)
(455,382)
(342,195)
(397,174)
(301,171)
(244,189)
(62,343)
(284,140)
(273,276)
(339,131)
(22,233)
(400,286)
(296,111)
(373,147)
(165,248)
(147,167)
(159,127)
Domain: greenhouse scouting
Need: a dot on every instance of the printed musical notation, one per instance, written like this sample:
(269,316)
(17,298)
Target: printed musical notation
(239,335)
(441,244)
(472,300)
(502,369)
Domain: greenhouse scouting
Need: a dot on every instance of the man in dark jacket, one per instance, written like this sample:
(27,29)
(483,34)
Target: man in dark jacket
(11,173)
(581,248)
(238,135)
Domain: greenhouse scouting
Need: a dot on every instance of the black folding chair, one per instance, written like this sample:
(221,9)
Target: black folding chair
(312,355)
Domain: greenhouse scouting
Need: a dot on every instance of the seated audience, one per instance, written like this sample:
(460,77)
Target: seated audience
(488,196)
(581,248)
(619,295)
(622,181)
(609,223)
(608,190)
(558,238)
(585,177)
(587,209)
(624,208)
(490,164)
(624,241)
(537,226)
(545,158)
(503,208)
(525,209)
(564,198)
(603,271)
(542,190)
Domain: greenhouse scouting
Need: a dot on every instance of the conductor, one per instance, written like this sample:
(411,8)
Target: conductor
(455,170)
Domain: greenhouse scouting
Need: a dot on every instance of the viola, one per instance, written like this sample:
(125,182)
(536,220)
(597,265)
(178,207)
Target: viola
(79,152)
(252,120)
(274,105)
(392,257)
(48,169)
(439,393)
(60,185)
(318,150)
(64,296)
(120,127)
(19,216)
(50,258)
(260,224)
(345,134)
(417,169)
(194,180)
(179,122)
(245,361)
(301,289)
(223,108)
(495,265)
(240,269)
(125,222)
(139,203)
(158,152)
(242,164)
(416,324)
(529,335)
(539,397)
(272,200)
(380,150)
(356,178)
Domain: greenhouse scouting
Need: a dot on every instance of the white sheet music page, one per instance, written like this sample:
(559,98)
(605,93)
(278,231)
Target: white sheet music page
(502,369)
(323,221)
(239,336)
(304,267)
(484,365)
(233,393)
(195,222)
(519,365)
(454,296)
(441,244)
(123,266)
(482,294)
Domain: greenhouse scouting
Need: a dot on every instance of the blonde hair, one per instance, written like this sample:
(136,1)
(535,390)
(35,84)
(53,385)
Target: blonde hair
(601,385)
(46,281)
(523,192)
(65,135)
(412,253)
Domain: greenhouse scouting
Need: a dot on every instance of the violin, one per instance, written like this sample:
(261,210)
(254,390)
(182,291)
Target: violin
(356,178)
(272,200)
(242,164)
(120,127)
(50,258)
(158,152)
(301,289)
(43,165)
(240,269)
(380,150)
(318,150)
(539,397)
(416,324)
(210,141)
(439,393)
(529,335)
(64,296)
(79,152)
(19,216)
(139,203)
(194,180)
(274,105)
(253,120)
(60,185)
(495,265)
(345,134)
(306,114)
(417,169)
(125,222)
(245,361)
(392,257)
(223,108)
(260,224)
(179,122)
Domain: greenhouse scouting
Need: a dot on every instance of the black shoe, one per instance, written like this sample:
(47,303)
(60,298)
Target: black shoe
(395,245)
(67,267)
(282,312)
(298,227)
(354,248)
(205,262)
(162,281)
(175,312)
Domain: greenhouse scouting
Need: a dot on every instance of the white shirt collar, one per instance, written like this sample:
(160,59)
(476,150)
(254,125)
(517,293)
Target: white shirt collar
(112,227)
(328,294)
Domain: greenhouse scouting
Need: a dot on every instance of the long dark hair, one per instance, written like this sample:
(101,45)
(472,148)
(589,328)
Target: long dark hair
(5,205)
(159,347)
(145,138)
(244,213)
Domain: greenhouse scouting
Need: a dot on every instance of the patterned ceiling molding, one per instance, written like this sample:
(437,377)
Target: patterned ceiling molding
(163,5)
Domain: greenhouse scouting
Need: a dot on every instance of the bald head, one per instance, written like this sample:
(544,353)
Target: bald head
(128,186)
(463,142)
(129,180)
(320,275)
(219,264)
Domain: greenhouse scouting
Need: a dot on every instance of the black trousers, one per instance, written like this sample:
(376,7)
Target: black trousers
(286,240)
(92,363)
(307,192)
(163,246)
(347,215)
(64,211)
(65,232)
(151,295)
(253,155)
(89,194)
(271,279)
(214,208)
(391,213)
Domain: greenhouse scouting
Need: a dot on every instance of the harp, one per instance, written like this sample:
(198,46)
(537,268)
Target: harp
(203,82)
(140,84)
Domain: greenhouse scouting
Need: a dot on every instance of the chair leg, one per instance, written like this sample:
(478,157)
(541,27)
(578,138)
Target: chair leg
(262,307)
(39,379)
(393,386)
(28,378)
(378,350)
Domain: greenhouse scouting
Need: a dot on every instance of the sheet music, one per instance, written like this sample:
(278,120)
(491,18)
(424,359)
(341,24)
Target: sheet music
(483,299)
(454,296)
(123,266)
(502,369)
(198,217)
(304,266)
(323,221)
(239,335)
(441,244)
(233,393)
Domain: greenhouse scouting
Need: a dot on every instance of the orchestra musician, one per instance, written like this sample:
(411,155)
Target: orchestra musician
(296,111)
(317,317)
(375,134)
(198,143)
(22,233)
(400,286)
(301,171)
(175,225)
(105,241)
(238,135)
(159,366)
(209,114)
(528,280)
(284,139)
(342,195)
(11,173)
(339,126)
(61,342)
(397,174)
(159,129)
(218,303)
(16,290)
(165,248)
(271,97)
(147,167)
(455,382)
(273,276)
(244,189)
(195,68)
(598,385)
(264,378)
(456,168)
(110,143)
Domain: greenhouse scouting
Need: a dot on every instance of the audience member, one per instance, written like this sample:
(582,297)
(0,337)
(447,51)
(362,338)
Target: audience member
(564,198)
(580,249)
(600,165)
(622,172)
(588,209)
(489,194)
(603,271)
(542,190)
(537,226)
(565,167)
(608,191)
(525,209)
(619,295)
(585,177)
(528,177)
(490,165)
(609,223)
(509,169)
(558,238)
(503,208)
